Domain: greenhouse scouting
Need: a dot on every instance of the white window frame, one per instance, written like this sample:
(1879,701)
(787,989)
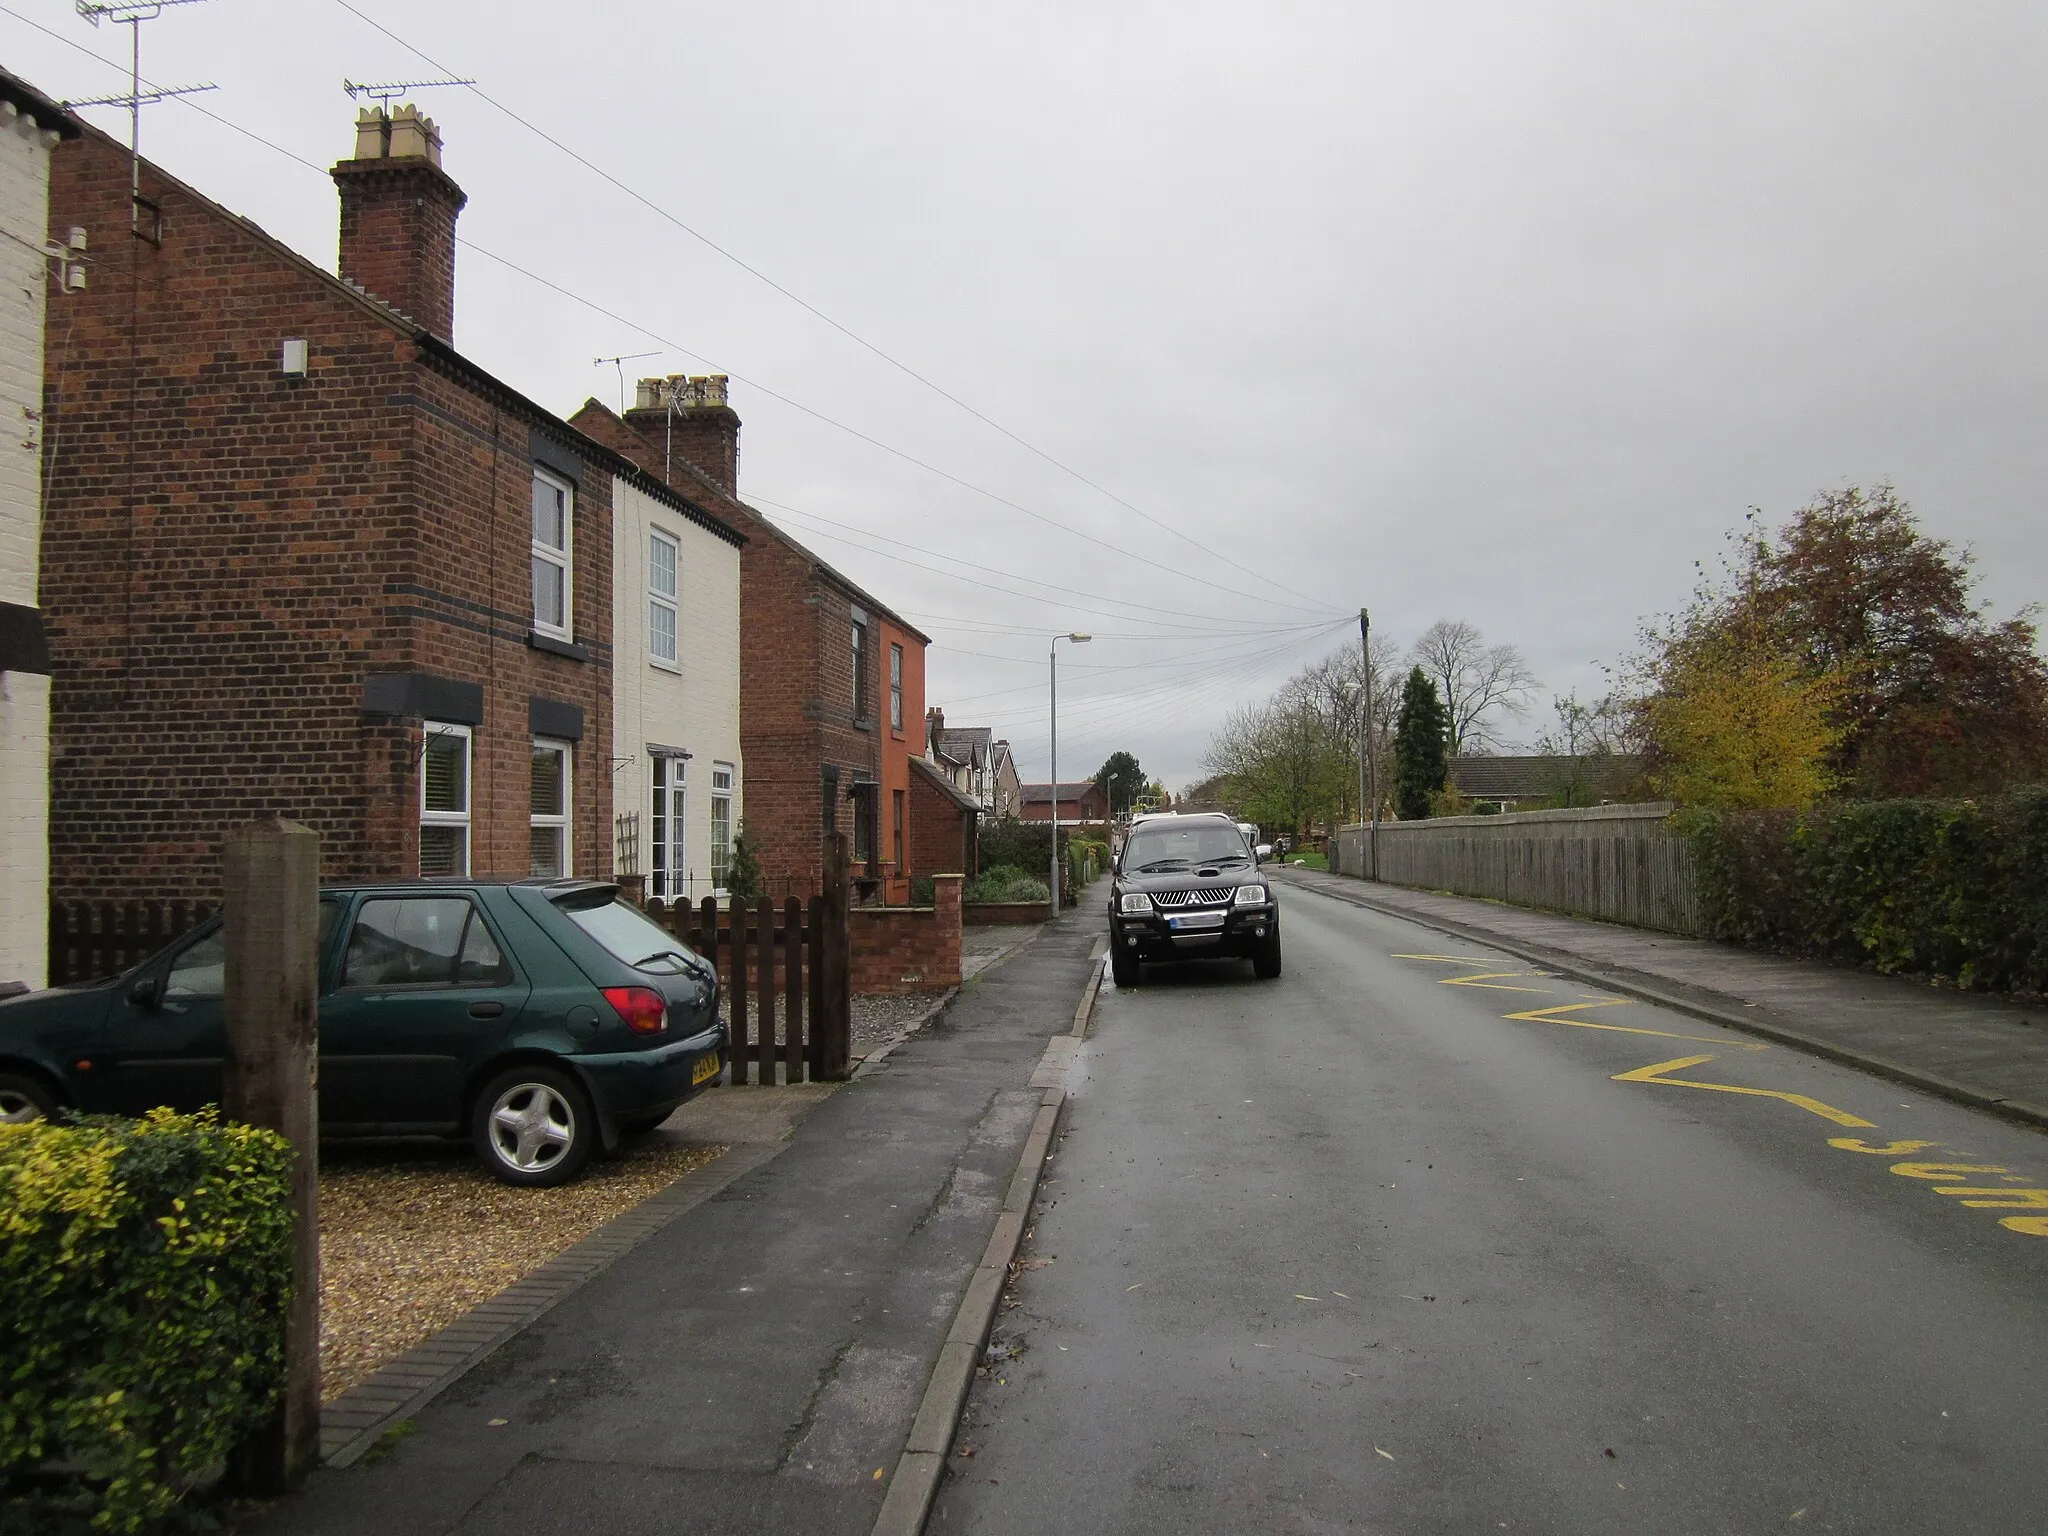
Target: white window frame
(721,794)
(461,818)
(669,602)
(895,686)
(564,558)
(563,820)
(668,797)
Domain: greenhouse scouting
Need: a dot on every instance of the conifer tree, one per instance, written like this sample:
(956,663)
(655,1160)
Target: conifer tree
(1421,747)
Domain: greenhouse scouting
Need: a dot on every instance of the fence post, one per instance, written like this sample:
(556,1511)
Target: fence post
(736,999)
(764,991)
(792,990)
(814,984)
(835,954)
(272,881)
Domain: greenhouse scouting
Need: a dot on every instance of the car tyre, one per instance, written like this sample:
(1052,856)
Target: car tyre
(1266,958)
(25,1099)
(534,1126)
(1124,967)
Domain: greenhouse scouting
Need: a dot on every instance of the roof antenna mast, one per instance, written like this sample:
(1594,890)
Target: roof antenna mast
(620,364)
(388,91)
(132,16)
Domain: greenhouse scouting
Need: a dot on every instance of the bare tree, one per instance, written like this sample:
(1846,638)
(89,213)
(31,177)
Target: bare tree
(1474,680)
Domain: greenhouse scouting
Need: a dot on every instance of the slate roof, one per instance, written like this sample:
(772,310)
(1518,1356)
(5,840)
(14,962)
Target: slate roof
(965,802)
(1042,793)
(967,744)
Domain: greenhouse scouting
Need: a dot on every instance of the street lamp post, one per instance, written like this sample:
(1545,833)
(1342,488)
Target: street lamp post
(1053,691)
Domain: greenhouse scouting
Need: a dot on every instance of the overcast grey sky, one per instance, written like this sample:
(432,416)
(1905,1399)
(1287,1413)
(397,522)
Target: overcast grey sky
(1501,311)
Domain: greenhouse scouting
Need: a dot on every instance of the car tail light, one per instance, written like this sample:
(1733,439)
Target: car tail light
(644,1009)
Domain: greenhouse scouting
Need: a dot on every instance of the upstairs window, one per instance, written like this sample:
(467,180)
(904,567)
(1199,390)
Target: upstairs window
(863,699)
(895,687)
(444,801)
(554,508)
(661,598)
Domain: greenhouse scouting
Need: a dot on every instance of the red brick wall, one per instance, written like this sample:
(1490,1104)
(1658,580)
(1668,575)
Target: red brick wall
(398,236)
(796,669)
(941,833)
(909,949)
(228,552)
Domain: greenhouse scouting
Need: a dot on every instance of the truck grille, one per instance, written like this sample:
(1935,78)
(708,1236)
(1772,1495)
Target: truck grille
(1208,895)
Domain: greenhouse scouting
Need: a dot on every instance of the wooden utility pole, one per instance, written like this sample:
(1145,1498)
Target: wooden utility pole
(834,960)
(272,925)
(1368,758)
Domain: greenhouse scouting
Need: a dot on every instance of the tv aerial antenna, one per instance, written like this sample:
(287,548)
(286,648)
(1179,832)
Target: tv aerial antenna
(132,16)
(620,364)
(386,92)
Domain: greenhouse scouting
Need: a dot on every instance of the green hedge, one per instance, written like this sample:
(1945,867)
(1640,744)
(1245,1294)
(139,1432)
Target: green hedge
(1955,889)
(1004,884)
(144,1271)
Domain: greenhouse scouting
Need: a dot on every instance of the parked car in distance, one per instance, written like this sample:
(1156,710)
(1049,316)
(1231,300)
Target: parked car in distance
(1189,888)
(544,1019)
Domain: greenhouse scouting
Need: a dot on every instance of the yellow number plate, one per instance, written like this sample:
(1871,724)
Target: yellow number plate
(706,1068)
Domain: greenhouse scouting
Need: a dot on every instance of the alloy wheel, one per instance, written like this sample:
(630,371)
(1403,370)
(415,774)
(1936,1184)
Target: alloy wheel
(17,1108)
(532,1126)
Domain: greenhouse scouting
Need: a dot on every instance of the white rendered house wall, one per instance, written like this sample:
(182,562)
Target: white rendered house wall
(676,691)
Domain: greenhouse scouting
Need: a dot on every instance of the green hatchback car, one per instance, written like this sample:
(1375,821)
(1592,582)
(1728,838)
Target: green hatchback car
(544,1019)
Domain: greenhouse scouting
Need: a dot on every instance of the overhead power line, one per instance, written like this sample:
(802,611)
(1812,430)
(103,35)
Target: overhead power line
(805,304)
(672,345)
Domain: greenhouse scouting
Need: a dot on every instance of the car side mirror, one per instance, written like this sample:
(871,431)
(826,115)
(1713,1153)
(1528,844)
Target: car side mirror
(1263,852)
(145,991)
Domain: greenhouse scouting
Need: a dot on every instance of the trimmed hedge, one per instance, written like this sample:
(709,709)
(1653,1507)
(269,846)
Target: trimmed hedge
(1955,889)
(145,1267)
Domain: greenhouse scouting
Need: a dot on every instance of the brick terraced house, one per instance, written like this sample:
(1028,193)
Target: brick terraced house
(829,677)
(302,557)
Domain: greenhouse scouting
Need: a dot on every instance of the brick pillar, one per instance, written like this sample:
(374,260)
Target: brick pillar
(945,962)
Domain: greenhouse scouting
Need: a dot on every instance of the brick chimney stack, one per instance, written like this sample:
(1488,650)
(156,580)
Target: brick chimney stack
(398,210)
(934,726)
(686,420)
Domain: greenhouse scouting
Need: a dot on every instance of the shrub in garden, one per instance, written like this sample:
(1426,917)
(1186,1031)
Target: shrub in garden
(1949,888)
(1004,883)
(145,1267)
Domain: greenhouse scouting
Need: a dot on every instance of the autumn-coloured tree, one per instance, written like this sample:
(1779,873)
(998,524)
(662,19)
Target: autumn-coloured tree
(1851,619)
(1739,725)
(1938,699)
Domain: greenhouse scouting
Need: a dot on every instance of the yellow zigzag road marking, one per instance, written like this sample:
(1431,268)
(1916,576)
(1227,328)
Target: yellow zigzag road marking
(1451,959)
(1486,979)
(1557,1016)
(1656,1074)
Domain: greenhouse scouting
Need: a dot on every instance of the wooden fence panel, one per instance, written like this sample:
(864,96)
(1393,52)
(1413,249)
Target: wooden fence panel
(792,991)
(1621,864)
(89,940)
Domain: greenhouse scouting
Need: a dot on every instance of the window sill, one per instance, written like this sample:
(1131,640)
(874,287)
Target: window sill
(554,647)
(864,722)
(673,668)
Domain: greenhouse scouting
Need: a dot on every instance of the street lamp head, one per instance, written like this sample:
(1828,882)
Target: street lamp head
(1080,639)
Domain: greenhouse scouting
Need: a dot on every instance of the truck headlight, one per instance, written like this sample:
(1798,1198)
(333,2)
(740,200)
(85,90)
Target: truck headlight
(1251,895)
(1136,901)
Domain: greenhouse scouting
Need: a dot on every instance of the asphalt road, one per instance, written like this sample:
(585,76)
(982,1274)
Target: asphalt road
(1355,1251)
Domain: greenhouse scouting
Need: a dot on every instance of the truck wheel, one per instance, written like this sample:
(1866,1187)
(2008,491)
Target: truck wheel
(1124,967)
(1266,959)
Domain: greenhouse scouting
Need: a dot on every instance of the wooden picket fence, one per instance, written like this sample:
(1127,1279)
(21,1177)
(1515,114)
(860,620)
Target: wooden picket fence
(796,955)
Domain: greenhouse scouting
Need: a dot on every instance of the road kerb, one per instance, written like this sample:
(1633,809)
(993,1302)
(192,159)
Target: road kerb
(1913,1077)
(915,1482)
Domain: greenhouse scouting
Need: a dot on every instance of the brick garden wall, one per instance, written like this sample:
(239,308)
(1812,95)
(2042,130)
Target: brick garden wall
(900,950)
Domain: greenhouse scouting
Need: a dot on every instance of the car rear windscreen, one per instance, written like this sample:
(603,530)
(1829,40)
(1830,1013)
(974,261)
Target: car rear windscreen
(625,931)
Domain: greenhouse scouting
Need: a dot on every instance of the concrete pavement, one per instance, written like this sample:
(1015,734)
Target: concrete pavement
(1425,1238)
(1978,1049)
(756,1362)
